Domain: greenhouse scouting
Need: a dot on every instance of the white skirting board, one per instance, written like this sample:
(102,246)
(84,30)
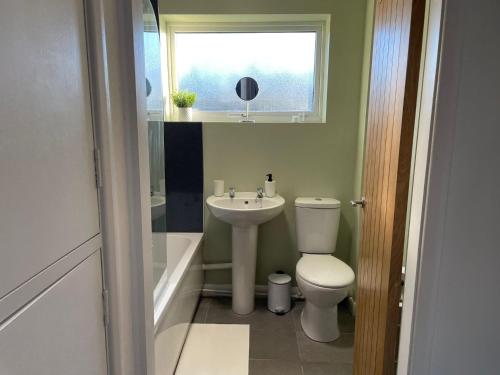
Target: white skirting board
(225,290)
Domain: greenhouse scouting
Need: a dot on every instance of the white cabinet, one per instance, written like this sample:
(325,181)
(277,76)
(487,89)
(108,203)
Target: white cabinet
(48,196)
(51,318)
(56,333)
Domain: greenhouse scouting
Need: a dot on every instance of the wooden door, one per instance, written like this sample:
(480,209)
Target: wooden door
(397,39)
(51,306)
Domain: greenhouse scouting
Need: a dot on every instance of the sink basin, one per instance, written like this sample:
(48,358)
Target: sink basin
(157,206)
(244,212)
(245,209)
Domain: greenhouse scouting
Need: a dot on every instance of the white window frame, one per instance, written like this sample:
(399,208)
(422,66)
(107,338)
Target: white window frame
(318,23)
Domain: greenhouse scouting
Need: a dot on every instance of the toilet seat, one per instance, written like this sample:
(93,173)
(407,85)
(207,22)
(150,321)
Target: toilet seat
(324,271)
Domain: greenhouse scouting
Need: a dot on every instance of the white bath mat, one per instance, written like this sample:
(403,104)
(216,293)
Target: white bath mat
(215,349)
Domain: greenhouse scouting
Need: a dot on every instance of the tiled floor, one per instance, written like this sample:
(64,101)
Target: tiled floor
(278,345)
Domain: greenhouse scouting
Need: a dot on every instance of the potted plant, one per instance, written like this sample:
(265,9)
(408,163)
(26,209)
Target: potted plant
(184,101)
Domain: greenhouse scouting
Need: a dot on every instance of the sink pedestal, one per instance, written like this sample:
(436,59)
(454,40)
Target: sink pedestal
(245,212)
(244,242)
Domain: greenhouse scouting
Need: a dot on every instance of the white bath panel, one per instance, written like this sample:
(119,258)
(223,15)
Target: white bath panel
(215,349)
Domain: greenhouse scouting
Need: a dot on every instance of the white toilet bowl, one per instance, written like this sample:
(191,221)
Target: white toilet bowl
(324,281)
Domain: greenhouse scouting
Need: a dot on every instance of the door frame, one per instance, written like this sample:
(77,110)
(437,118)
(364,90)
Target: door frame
(423,145)
(116,64)
(115,29)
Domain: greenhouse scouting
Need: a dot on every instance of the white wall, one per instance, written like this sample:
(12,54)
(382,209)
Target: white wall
(456,328)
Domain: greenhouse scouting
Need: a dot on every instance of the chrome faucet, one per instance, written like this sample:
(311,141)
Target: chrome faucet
(260,193)
(232,192)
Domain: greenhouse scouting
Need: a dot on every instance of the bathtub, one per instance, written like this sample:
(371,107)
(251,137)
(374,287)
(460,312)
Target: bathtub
(176,294)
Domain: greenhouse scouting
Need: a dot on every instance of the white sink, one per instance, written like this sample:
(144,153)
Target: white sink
(244,209)
(244,212)
(157,206)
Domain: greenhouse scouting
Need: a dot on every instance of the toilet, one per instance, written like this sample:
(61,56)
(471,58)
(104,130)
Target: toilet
(323,279)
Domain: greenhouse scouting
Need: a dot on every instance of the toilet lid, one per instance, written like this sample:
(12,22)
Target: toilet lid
(325,271)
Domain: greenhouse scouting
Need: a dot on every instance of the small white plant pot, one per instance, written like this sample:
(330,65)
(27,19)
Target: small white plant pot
(185,114)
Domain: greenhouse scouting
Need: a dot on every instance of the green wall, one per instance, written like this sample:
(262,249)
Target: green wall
(365,86)
(305,159)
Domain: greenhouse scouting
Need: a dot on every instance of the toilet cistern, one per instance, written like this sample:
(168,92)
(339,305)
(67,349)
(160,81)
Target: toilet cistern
(323,279)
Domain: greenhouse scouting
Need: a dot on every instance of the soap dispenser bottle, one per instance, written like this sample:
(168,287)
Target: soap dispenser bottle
(269,186)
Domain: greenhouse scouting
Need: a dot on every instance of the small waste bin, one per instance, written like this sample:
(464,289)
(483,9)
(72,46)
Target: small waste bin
(278,298)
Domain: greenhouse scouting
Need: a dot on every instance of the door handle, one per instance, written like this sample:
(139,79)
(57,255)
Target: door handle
(360,202)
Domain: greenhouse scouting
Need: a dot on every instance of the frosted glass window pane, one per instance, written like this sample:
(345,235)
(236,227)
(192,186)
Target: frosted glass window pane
(154,101)
(211,64)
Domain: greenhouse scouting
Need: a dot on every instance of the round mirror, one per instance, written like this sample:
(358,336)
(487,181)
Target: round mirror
(247,88)
(148,88)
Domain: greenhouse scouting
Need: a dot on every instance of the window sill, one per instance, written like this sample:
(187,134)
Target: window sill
(233,122)
(198,117)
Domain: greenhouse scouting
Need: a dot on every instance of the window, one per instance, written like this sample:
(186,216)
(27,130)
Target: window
(154,99)
(286,55)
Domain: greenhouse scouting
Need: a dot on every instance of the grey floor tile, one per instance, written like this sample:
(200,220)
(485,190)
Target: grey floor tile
(296,311)
(345,319)
(327,369)
(220,313)
(220,302)
(267,344)
(261,319)
(274,367)
(278,344)
(201,315)
(338,351)
(205,302)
